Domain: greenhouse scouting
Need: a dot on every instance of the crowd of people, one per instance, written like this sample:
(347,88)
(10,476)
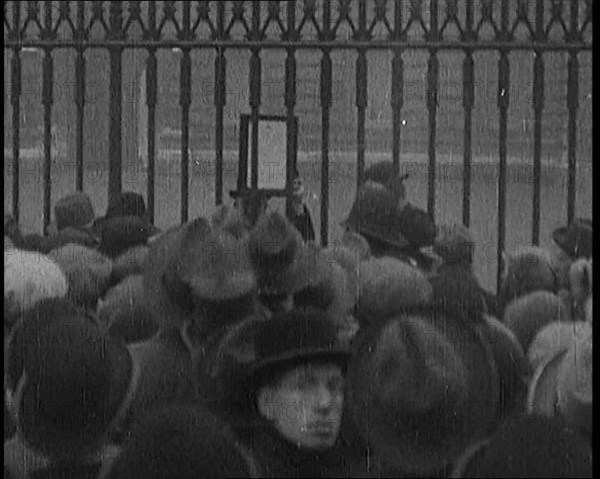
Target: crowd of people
(236,346)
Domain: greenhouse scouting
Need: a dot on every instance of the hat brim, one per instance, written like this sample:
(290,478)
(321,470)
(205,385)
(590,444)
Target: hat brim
(542,394)
(307,270)
(405,442)
(337,355)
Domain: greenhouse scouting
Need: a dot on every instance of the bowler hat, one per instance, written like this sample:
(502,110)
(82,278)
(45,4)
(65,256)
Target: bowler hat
(123,232)
(373,215)
(528,446)
(383,172)
(75,380)
(421,388)
(74,210)
(302,334)
(575,239)
(454,243)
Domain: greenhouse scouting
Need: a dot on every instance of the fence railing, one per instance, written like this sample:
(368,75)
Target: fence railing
(467,26)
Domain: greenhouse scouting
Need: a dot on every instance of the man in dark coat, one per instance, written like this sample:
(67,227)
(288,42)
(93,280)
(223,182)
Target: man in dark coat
(295,390)
(300,215)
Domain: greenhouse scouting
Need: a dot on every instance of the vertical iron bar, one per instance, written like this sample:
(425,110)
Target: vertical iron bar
(361,94)
(115,166)
(255,93)
(468,103)
(397,90)
(151,96)
(15,99)
(503,103)
(80,71)
(185,100)
(47,101)
(538,106)
(432,100)
(220,97)
(325,89)
(572,106)
(290,103)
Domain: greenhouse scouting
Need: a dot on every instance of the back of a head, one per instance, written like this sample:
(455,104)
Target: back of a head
(527,315)
(532,447)
(183,442)
(74,380)
(383,172)
(527,271)
(30,277)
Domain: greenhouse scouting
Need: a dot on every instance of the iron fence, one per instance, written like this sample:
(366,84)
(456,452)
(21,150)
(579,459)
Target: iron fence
(502,26)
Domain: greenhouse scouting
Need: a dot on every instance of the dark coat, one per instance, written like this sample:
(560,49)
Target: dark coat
(279,458)
(303,223)
(456,289)
(166,376)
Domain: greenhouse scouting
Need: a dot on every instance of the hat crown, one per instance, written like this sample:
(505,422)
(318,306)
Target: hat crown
(428,371)
(273,236)
(73,210)
(127,203)
(301,333)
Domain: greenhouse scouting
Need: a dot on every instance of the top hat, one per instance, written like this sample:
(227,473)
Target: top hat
(127,203)
(422,387)
(373,215)
(74,210)
(575,239)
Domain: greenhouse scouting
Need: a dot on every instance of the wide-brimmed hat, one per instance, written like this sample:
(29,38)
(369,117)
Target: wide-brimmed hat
(191,266)
(421,388)
(74,210)
(554,338)
(528,446)
(387,286)
(527,315)
(526,271)
(30,277)
(454,243)
(75,379)
(373,215)
(575,239)
(562,384)
(514,370)
(284,264)
(88,273)
(205,446)
(128,263)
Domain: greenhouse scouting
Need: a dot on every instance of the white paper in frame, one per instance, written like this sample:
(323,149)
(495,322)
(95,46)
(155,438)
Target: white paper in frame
(272,152)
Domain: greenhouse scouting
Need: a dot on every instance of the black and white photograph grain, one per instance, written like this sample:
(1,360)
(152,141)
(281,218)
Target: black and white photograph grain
(303,238)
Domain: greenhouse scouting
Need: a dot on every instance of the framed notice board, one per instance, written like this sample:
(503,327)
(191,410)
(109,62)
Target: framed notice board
(268,171)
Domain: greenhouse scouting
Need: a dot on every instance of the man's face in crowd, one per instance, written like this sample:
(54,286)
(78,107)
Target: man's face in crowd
(305,405)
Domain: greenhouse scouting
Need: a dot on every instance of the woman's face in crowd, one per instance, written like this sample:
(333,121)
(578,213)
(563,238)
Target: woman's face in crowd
(305,406)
